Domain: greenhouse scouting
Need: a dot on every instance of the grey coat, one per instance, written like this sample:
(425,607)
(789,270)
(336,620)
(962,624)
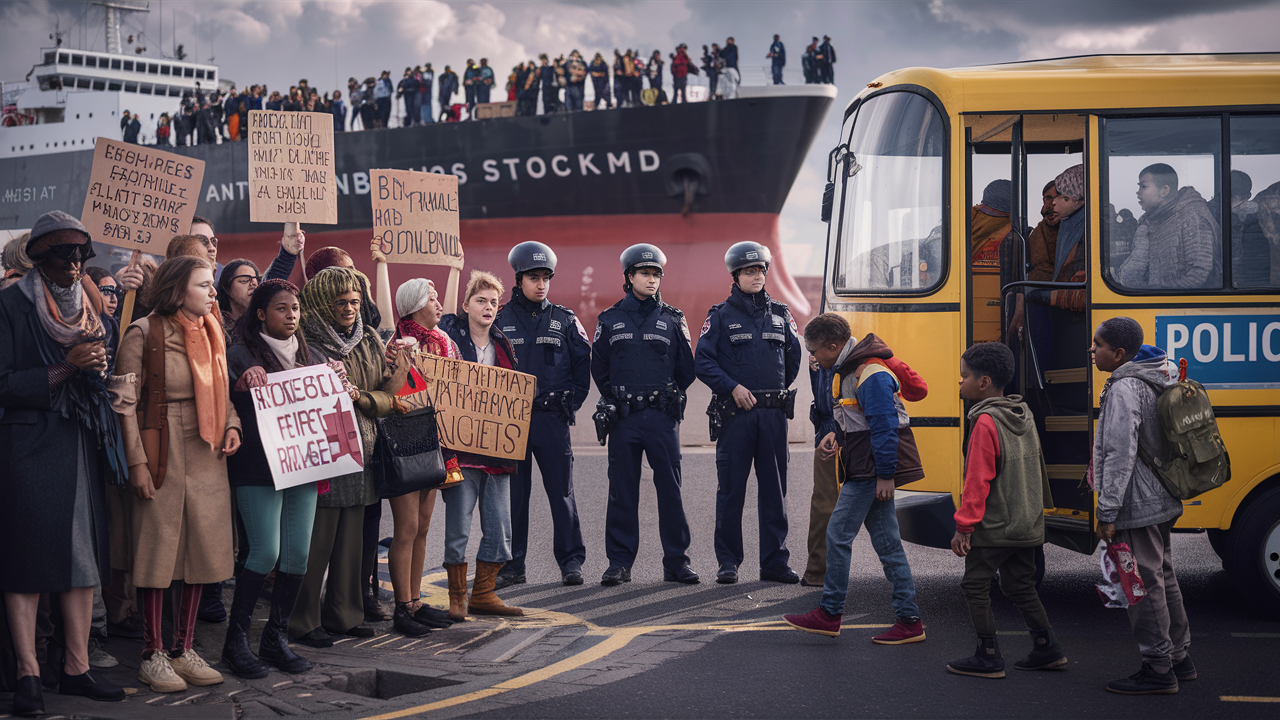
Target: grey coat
(1129,493)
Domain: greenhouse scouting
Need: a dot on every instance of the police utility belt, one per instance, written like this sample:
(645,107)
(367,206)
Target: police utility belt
(620,402)
(723,407)
(560,401)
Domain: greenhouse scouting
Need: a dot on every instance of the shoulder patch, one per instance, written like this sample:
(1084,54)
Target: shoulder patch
(673,310)
(684,328)
(706,327)
(791,321)
(599,326)
(583,331)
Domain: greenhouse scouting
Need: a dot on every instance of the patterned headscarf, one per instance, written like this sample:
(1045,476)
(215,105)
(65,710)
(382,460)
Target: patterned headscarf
(319,323)
(1071,182)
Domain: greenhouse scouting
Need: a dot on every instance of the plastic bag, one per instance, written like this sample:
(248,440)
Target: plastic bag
(1121,584)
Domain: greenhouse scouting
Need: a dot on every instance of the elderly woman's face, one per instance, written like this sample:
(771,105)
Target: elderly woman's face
(346,307)
(65,266)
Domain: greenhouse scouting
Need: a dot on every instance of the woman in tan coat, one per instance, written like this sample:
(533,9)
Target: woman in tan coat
(181,511)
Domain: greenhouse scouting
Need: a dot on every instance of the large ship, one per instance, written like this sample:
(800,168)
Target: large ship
(692,178)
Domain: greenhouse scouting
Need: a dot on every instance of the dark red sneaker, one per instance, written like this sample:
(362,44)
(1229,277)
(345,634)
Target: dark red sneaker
(904,630)
(816,620)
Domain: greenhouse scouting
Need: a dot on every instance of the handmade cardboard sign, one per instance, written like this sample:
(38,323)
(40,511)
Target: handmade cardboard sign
(140,197)
(481,409)
(308,426)
(291,165)
(415,217)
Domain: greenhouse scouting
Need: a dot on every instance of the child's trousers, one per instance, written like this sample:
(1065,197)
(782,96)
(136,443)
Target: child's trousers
(1017,567)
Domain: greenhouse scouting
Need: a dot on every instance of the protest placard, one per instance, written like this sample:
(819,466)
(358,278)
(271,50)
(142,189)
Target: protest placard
(481,409)
(308,426)
(415,217)
(291,167)
(140,197)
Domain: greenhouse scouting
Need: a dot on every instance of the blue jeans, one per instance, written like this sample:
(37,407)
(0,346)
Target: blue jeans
(425,110)
(278,524)
(494,495)
(777,75)
(856,506)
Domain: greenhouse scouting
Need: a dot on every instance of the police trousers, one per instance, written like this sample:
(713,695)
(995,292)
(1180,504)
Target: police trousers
(549,445)
(657,435)
(758,436)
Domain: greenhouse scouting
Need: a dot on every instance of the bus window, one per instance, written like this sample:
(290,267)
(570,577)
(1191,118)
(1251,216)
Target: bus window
(891,225)
(991,237)
(1165,172)
(1255,202)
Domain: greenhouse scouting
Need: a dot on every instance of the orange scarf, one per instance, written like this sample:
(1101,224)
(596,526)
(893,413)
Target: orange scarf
(207,355)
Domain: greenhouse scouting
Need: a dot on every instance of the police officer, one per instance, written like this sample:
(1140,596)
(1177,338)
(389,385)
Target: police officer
(749,354)
(642,363)
(550,344)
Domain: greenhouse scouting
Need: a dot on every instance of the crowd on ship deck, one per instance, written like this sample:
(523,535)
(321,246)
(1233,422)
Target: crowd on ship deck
(422,95)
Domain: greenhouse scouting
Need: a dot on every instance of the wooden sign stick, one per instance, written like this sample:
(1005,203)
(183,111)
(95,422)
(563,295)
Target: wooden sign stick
(126,315)
(451,292)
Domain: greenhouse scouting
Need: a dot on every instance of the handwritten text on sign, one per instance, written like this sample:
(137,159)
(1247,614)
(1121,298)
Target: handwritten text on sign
(291,163)
(308,426)
(415,217)
(139,198)
(483,409)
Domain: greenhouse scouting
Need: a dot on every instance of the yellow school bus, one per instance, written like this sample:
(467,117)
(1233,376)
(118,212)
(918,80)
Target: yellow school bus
(940,218)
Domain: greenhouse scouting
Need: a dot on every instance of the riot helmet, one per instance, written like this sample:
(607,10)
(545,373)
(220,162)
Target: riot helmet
(531,255)
(642,255)
(746,254)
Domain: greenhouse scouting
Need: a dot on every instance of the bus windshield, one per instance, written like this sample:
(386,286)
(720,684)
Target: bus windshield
(891,237)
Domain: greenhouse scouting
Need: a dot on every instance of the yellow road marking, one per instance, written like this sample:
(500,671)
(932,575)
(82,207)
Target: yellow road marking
(616,641)
(1249,698)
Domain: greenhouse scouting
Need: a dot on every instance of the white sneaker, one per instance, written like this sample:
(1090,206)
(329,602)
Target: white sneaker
(158,673)
(191,667)
(99,658)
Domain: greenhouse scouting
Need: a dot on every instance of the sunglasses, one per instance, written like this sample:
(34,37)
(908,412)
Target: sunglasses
(116,290)
(73,253)
(247,279)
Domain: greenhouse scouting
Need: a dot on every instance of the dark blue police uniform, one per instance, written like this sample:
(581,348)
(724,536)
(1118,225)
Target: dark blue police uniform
(642,363)
(750,340)
(551,345)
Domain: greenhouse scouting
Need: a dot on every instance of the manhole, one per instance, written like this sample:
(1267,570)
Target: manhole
(385,684)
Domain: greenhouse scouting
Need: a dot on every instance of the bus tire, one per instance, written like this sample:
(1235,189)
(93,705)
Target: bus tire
(1221,542)
(1255,555)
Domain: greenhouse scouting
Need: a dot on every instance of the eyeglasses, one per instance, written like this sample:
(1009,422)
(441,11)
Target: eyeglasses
(115,290)
(73,253)
(247,279)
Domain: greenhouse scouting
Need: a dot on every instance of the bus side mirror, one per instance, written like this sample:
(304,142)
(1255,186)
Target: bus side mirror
(828,199)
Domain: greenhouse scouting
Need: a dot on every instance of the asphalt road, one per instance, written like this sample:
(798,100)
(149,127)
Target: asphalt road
(761,670)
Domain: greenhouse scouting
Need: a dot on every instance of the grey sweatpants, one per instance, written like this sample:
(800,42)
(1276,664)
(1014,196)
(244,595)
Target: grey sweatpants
(1159,621)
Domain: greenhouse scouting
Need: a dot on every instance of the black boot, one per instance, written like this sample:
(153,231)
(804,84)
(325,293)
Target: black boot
(274,647)
(405,624)
(211,608)
(1046,653)
(236,654)
(985,662)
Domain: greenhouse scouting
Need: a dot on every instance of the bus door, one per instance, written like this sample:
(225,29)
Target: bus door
(1024,290)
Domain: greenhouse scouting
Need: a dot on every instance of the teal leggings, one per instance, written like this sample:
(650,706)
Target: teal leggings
(278,523)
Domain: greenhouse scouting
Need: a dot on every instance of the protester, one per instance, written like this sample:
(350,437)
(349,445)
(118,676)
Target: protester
(599,70)
(64,448)
(809,63)
(749,354)
(877,454)
(654,70)
(574,91)
(485,480)
(642,364)
(826,58)
(407,91)
(778,54)
(382,92)
(339,111)
(1178,244)
(335,332)
(241,277)
(162,130)
(418,306)
(1133,505)
(552,346)
(277,523)
(182,505)
(425,95)
(470,75)
(130,126)
(15,260)
(1000,523)
(484,82)
(732,76)
(448,86)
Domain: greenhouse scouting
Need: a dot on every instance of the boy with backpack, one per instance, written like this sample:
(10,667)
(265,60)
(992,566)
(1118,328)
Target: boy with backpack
(1134,507)
(877,454)
(1000,522)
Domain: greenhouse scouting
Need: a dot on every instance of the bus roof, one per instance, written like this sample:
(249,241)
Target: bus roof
(1100,82)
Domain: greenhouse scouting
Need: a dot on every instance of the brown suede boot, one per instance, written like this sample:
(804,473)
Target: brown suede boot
(457,591)
(483,601)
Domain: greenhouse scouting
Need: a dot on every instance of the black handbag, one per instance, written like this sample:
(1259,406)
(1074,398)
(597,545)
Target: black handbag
(408,453)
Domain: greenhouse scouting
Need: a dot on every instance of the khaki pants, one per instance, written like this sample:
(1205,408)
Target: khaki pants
(821,505)
(335,544)
(1159,621)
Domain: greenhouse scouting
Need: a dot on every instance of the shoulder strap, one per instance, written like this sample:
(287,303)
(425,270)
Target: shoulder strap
(153,414)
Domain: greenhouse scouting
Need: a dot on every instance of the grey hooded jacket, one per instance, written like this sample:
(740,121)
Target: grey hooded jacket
(1129,493)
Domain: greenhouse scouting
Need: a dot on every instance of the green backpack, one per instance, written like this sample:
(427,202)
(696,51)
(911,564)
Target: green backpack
(1198,459)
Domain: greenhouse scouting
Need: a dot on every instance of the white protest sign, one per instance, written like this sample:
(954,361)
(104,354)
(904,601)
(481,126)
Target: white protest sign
(308,426)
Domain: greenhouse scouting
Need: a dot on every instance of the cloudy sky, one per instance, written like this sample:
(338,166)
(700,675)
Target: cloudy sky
(279,41)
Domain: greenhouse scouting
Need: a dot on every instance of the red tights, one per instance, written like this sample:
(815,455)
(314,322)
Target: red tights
(186,603)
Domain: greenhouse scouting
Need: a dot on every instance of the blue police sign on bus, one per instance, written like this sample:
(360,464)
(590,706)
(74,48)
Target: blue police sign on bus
(1224,351)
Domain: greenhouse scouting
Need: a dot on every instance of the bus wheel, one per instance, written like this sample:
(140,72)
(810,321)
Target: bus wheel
(1255,559)
(1221,542)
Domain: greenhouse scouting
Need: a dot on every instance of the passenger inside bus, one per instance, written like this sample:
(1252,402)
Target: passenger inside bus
(1269,220)
(990,228)
(1178,243)
(1067,251)
(1250,252)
